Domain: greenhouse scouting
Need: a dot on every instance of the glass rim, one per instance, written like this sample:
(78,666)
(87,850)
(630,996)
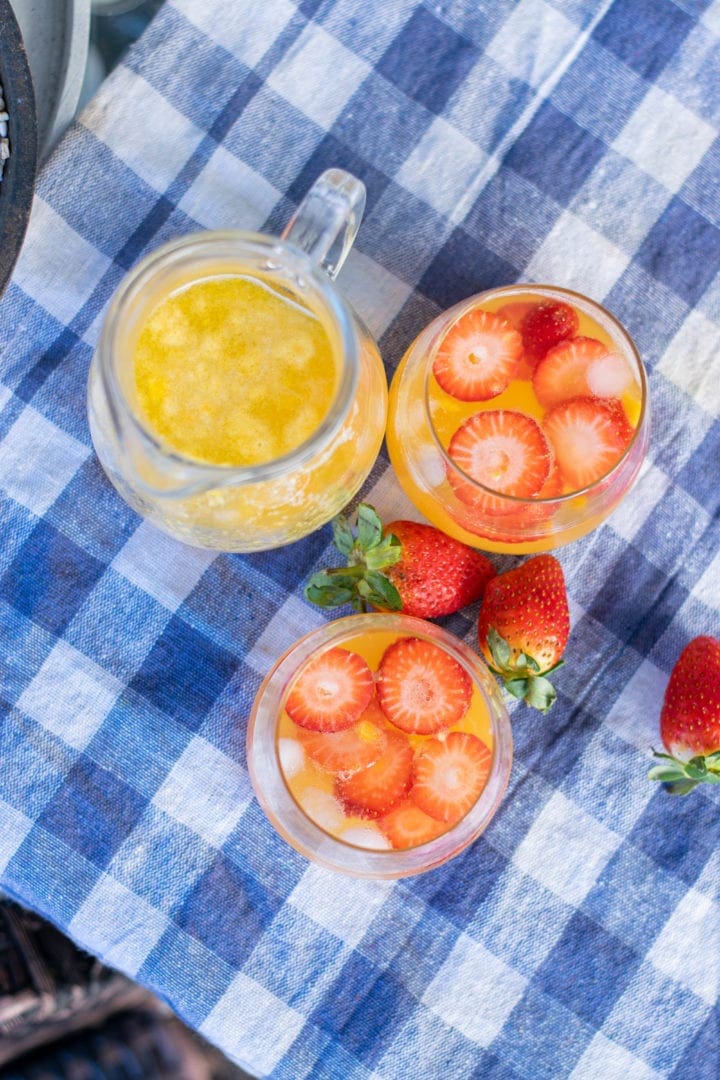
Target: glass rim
(233,243)
(306,836)
(552,500)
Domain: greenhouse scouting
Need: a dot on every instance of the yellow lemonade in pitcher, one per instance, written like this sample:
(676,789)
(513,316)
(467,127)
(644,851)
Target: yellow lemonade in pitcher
(264,424)
(235,399)
(230,372)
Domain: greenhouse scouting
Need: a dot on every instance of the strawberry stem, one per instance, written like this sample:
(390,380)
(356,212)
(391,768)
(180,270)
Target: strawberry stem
(360,582)
(520,673)
(682,776)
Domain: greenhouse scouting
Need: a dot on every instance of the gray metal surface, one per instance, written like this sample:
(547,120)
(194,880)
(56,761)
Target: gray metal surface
(56,34)
(18,181)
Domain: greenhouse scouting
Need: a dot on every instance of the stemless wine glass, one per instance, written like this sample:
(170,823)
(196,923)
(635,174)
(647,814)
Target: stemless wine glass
(301,783)
(468,507)
(269,502)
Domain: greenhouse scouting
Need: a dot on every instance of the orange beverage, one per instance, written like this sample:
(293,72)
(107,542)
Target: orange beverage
(229,371)
(519,419)
(235,399)
(379,745)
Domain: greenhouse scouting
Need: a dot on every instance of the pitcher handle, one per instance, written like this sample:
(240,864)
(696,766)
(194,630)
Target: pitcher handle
(326,222)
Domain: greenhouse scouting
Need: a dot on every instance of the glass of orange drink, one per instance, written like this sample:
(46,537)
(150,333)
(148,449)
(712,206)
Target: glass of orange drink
(379,745)
(235,399)
(518,419)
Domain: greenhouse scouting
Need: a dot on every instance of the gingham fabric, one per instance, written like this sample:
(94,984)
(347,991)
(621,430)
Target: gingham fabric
(570,141)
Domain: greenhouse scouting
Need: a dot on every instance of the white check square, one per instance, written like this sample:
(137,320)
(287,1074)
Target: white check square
(344,906)
(686,947)
(707,588)
(156,152)
(319,76)
(14,827)
(161,566)
(70,696)
(628,518)
(566,849)
(442,167)
(373,291)
(293,620)
(711,17)
(665,139)
(634,715)
(253,1026)
(593,266)
(57,267)
(248,37)
(533,42)
(118,925)
(605,1058)
(205,791)
(474,992)
(691,361)
(38,460)
(228,194)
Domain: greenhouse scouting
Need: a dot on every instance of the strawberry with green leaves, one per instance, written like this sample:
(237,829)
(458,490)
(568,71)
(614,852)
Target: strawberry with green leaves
(690,719)
(524,626)
(405,566)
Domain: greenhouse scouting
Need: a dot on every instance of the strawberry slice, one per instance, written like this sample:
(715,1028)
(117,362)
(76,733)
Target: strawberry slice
(408,826)
(621,418)
(588,438)
(515,312)
(534,513)
(332,692)
(562,372)
(546,325)
(374,791)
(504,450)
(478,357)
(350,750)
(421,688)
(449,775)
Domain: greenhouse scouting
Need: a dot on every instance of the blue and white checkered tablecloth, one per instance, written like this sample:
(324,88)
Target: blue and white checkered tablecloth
(570,141)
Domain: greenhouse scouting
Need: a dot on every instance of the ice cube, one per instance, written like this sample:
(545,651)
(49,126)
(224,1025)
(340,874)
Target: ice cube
(609,376)
(366,836)
(292,757)
(322,808)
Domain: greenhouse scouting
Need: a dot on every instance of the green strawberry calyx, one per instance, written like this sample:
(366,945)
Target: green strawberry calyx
(520,673)
(682,776)
(360,582)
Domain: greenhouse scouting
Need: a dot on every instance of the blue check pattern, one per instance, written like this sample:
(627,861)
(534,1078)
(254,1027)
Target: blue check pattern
(572,141)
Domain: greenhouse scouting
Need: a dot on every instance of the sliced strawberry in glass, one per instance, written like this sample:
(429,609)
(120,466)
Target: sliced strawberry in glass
(533,513)
(449,775)
(503,450)
(332,692)
(588,437)
(421,688)
(478,357)
(562,373)
(515,312)
(546,325)
(350,750)
(374,791)
(408,826)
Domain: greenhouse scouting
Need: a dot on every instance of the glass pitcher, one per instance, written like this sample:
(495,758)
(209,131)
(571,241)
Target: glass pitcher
(246,507)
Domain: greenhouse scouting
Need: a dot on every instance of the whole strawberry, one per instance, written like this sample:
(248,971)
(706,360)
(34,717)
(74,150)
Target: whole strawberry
(690,719)
(524,626)
(404,567)
(545,325)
